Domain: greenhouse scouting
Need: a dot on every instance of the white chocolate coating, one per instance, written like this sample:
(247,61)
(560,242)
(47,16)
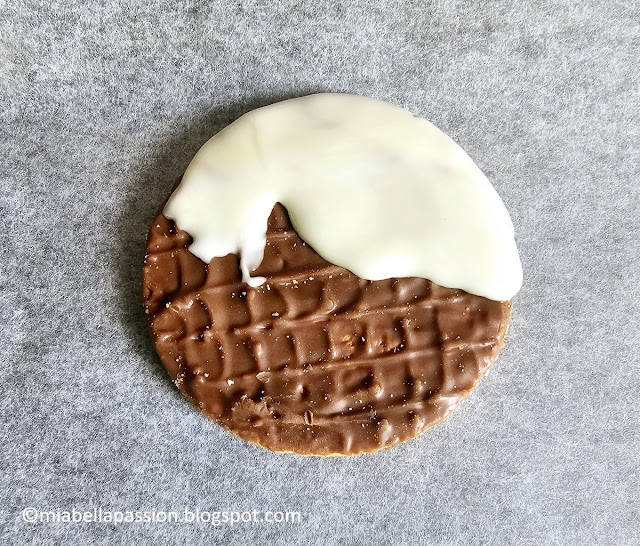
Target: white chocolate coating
(368,185)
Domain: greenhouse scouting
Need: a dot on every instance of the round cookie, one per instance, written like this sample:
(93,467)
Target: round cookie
(286,276)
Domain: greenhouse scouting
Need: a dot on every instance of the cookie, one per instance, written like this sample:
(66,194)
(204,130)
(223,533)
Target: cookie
(289,349)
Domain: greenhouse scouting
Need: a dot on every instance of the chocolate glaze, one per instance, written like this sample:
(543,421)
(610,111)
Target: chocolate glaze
(316,360)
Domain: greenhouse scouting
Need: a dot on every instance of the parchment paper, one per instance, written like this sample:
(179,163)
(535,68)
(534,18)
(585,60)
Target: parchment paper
(102,105)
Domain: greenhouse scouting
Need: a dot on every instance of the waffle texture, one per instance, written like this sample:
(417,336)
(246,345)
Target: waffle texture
(316,360)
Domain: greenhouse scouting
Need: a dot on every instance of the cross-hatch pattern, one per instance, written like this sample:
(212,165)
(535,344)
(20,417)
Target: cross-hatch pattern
(316,360)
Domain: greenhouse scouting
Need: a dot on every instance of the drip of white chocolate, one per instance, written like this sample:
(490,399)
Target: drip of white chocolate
(368,185)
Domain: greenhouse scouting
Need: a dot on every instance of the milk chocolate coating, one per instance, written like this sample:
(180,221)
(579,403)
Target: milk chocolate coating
(316,360)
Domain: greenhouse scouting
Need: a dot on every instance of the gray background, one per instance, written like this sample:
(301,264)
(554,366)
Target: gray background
(102,106)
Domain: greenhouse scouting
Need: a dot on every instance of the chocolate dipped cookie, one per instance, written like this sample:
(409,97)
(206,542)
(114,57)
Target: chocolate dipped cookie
(332,276)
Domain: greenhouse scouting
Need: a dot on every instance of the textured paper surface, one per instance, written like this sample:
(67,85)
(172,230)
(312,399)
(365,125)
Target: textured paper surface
(102,104)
